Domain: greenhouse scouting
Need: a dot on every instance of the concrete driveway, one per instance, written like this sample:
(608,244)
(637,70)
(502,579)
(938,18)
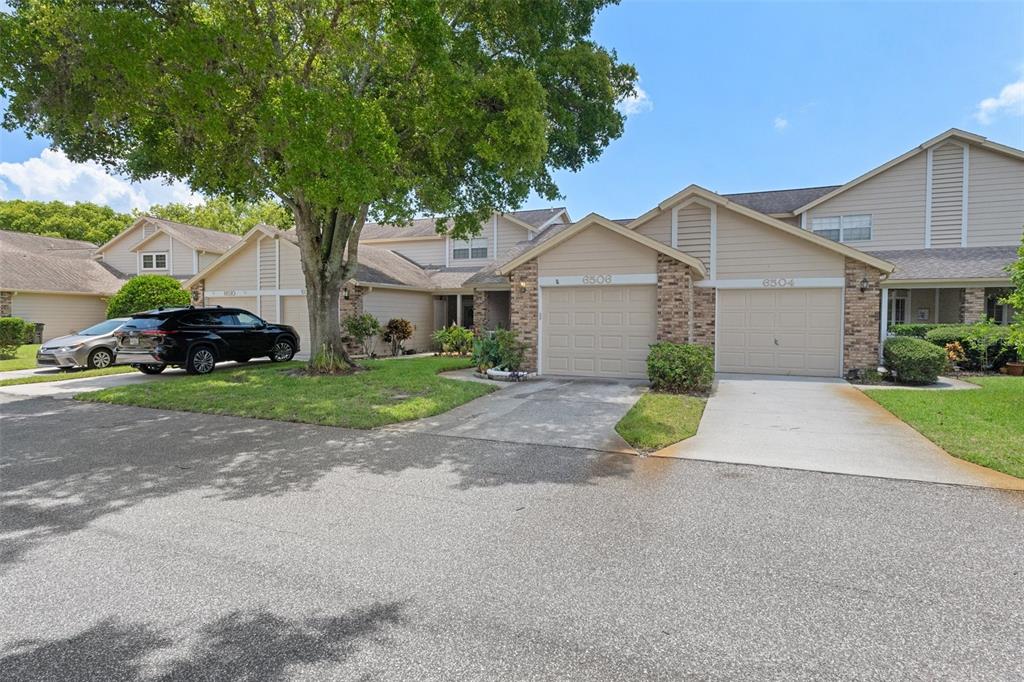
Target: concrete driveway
(150,545)
(820,425)
(574,413)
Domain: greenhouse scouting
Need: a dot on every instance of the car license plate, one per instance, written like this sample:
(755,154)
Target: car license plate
(133,340)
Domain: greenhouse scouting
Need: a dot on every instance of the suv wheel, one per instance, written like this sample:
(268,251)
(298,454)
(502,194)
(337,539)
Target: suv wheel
(152,369)
(283,351)
(100,359)
(200,360)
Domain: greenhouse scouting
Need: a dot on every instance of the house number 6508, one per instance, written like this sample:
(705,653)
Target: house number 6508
(597,279)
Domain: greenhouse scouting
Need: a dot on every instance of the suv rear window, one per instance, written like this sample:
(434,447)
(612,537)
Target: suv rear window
(144,323)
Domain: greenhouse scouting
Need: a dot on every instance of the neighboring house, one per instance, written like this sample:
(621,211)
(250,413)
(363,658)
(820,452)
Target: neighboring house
(53,282)
(803,281)
(153,246)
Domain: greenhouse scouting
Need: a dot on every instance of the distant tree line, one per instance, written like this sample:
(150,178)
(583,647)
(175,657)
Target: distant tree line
(98,224)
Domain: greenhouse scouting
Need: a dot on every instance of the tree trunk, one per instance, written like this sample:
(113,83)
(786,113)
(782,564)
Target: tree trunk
(328,262)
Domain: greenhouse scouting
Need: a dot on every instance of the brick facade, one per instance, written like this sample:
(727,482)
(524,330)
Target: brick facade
(198,293)
(479,310)
(861,317)
(686,313)
(350,305)
(6,303)
(523,312)
(972,306)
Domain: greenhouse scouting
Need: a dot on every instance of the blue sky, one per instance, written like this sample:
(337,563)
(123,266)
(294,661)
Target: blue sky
(739,97)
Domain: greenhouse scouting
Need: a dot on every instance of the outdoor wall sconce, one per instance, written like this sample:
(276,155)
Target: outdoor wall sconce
(863,284)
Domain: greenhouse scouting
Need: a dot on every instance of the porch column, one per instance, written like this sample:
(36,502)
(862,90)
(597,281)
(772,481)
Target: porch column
(973,307)
(884,326)
(458,309)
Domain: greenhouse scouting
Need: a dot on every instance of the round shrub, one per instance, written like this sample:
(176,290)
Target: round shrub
(13,333)
(147,292)
(681,367)
(912,329)
(985,345)
(396,332)
(912,360)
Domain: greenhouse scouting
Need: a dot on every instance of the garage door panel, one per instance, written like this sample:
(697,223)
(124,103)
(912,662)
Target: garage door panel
(598,331)
(789,331)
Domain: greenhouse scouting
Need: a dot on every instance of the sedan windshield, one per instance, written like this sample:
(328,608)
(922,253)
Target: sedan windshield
(105,327)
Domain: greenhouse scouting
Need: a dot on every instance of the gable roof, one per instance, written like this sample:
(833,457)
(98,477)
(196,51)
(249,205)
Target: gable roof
(45,264)
(951,134)
(970,262)
(426,228)
(199,238)
(698,192)
(538,247)
(779,201)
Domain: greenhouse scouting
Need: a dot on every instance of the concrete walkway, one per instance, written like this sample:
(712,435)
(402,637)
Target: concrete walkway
(821,425)
(576,413)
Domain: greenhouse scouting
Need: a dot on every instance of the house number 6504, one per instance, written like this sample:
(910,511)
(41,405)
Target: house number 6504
(597,279)
(775,283)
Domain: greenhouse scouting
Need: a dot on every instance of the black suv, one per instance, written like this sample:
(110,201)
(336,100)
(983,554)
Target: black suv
(198,338)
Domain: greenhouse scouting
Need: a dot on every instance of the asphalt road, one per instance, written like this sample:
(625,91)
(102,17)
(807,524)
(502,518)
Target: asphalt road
(140,544)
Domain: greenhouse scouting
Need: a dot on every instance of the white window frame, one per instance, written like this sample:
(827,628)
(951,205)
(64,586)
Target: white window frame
(469,246)
(154,254)
(843,227)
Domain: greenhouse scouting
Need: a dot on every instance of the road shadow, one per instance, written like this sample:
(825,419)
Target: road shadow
(254,646)
(64,464)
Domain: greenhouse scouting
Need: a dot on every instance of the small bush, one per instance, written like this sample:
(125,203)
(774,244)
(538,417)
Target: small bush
(13,333)
(363,329)
(454,339)
(913,361)
(396,332)
(500,349)
(985,345)
(913,329)
(681,367)
(147,292)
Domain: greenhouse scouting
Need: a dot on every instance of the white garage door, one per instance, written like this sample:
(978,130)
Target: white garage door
(295,313)
(243,302)
(780,331)
(600,331)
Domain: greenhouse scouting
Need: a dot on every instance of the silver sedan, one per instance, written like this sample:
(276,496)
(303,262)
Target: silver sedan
(93,347)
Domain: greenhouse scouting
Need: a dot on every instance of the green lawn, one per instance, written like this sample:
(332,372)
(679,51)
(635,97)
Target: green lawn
(660,419)
(64,376)
(391,391)
(983,426)
(24,358)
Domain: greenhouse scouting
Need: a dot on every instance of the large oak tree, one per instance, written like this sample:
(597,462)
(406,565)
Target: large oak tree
(341,109)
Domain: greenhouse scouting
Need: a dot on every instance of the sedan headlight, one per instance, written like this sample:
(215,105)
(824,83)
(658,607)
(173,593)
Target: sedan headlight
(68,349)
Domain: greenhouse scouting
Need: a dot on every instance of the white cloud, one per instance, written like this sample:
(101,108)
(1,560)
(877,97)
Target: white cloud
(636,103)
(1010,100)
(780,123)
(52,176)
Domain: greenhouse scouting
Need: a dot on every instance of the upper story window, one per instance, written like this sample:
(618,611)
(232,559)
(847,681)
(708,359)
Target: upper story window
(469,248)
(846,228)
(154,261)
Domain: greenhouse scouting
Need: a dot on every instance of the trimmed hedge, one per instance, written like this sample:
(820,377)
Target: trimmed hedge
(147,292)
(916,329)
(681,367)
(912,360)
(14,332)
(986,346)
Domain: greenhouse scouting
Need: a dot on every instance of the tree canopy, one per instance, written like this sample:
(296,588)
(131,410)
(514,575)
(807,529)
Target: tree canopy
(82,221)
(340,109)
(225,215)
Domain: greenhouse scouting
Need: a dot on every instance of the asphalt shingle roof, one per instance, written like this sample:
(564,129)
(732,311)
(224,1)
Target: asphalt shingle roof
(201,238)
(33,263)
(427,227)
(971,262)
(779,200)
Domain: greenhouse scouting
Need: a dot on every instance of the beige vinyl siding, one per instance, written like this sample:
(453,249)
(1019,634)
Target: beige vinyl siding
(244,302)
(181,259)
(693,232)
(509,234)
(238,273)
(206,260)
(268,263)
(750,249)
(120,256)
(291,267)
(418,308)
(268,308)
(419,251)
(160,244)
(995,205)
(61,314)
(792,220)
(895,199)
(658,228)
(294,312)
(947,194)
(597,251)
